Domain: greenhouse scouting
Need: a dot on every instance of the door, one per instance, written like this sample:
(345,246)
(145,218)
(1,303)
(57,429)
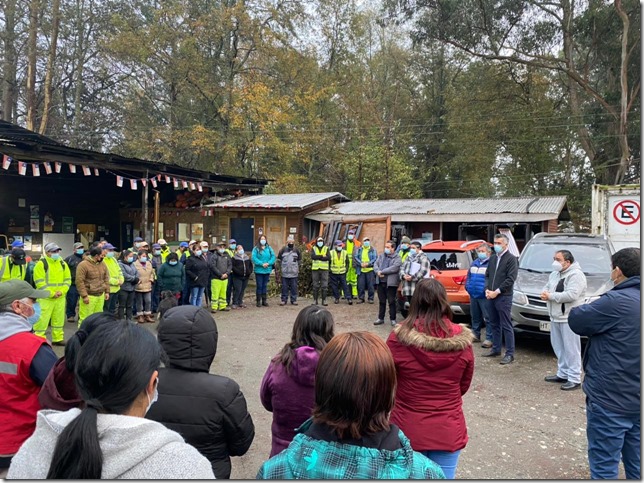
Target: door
(274,231)
(241,229)
(127,235)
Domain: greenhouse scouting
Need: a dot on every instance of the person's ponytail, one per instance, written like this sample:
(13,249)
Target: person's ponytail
(77,454)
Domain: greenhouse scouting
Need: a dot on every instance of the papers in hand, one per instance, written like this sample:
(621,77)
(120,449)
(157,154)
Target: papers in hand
(414,268)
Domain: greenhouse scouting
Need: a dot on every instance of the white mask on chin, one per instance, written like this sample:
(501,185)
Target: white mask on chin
(155,397)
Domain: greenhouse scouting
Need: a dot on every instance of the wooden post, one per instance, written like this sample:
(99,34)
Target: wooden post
(157,205)
(144,212)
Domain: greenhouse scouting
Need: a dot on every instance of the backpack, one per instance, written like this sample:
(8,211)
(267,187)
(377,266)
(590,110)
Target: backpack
(46,267)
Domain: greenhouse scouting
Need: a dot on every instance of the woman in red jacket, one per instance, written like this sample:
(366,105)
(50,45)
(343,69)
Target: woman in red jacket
(434,364)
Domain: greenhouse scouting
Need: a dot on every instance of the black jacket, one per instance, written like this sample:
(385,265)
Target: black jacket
(242,268)
(197,271)
(72,262)
(209,411)
(502,278)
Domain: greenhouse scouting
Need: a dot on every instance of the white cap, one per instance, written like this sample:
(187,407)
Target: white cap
(204,243)
(192,242)
(162,242)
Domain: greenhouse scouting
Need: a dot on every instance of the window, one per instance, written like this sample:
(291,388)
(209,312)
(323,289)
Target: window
(448,260)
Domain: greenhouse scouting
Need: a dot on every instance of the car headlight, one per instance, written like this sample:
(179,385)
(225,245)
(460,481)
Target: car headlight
(519,298)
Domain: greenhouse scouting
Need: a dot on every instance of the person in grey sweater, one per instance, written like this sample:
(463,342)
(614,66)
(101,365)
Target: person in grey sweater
(387,270)
(66,445)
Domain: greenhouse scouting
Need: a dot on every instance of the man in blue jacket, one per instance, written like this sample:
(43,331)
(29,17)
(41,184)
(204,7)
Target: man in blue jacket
(475,286)
(612,366)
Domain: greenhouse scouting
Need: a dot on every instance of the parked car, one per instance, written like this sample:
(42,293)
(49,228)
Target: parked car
(593,252)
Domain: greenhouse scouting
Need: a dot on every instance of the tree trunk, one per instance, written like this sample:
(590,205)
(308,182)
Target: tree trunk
(9,64)
(55,22)
(80,61)
(31,64)
(625,154)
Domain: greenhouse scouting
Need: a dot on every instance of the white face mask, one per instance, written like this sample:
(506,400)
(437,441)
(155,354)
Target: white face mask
(557,266)
(155,397)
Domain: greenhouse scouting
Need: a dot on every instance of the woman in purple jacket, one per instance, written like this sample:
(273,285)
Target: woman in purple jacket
(288,387)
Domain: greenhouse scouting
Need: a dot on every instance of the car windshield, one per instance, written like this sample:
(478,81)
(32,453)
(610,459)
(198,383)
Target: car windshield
(448,260)
(593,259)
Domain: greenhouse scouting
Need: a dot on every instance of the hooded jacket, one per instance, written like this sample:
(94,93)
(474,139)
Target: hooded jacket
(434,371)
(172,277)
(289,396)
(146,275)
(567,296)
(130,274)
(262,255)
(209,411)
(92,278)
(59,390)
(308,457)
(242,266)
(220,264)
(197,271)
(133,448)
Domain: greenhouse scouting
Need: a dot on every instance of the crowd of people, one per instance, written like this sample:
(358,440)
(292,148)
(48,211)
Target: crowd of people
(344,406)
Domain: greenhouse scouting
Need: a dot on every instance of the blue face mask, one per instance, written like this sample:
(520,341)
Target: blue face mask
(320,244)
(130,259)
(367,244)
(387,251)
(482,255)
(173,263)
(143,259)
(262,242)
(241,252)
(498,248)
(198,253)
(32,319)
(55,256)
(157,252)
(233,246)
(110,255)
(404,246)
(80,252)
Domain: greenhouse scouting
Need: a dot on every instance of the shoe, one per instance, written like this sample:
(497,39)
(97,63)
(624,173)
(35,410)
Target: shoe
(554,379)
(234,307)
(336,301)
(293,303)
(140,319)
(476,339)
(507,360)
(324,304)
(393,323)
(491,354)
(149,318)
(570,386)
(379,322)
(225,309)
(264,302)
(486,344)
(243,306)
(71,319)
(282,303)
(259,300)
(360,301)
(350,302)
(370,301)
(60,343)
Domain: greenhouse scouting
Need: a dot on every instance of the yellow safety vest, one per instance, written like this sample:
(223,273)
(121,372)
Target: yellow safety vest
(350,246)
(320,264)
(365,259)
(338,262)
(55,278)
(16,272)
(116,274)
(164,254)
(404,255)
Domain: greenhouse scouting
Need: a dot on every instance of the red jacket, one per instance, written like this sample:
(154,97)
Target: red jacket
(18,392)
(434,371)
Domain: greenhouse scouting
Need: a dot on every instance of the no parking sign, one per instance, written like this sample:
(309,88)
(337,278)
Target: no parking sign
(627,212)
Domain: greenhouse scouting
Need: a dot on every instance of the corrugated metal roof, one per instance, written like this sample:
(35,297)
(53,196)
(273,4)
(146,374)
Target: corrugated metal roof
(455,206)
(291,201)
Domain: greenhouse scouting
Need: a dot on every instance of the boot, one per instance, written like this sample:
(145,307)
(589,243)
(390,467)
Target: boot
(259,300)
(140,318)
(315,296)
(149,318)
(324,297)
(264,302)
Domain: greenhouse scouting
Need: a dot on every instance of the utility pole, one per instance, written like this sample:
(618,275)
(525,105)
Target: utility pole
(157,205)
(144,211)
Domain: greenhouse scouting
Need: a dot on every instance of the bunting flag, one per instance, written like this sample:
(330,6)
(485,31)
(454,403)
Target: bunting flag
(167,179)
(47,167)
(72,168)
(144,182)
(35,169)
(95,171)
(119,181)
(154,182)
(200,187)
(6,161)
(184,183)
(57,166)
(133,184)
(87,171)
(158,176)
(22,168)
(192,186)
(175,182)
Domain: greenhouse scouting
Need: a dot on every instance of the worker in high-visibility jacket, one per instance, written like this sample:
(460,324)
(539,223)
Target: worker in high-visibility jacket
(351,245)
(232,247)
(92,283)
(340,263)
(165,250)
(116,277)
(320,270)
(52,273)
(13,266)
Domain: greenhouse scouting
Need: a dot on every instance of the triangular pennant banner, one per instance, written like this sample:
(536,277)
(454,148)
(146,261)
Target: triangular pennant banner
(6,161)
(184,183)
(154,182)
(167,179)
(119,181)
(87,171)
(200,187)
(144,182)
(175,182)
(57,166)
(72,168)
(192,186)
(95,171)
(22,168)
(47,167)
(35,169)
(133,184)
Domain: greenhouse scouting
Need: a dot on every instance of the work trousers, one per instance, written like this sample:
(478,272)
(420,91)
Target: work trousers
(320,279)
(352,281)
(239,287)
(112,303)
(289,287)
(386,295)
(499,309)
(53,311)
(567,347)
(339,282)
(366,281)
(72,300)
(218,290)
(95,305)
(229,290)
(143,303)
(480,315)
(126,299)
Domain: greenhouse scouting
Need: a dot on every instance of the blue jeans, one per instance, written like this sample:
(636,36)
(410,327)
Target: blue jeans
(611,437)
(499,309)
(446,460)
(156,295)
(480,314)
(289,286)
(185,295)
(196,295)
(262,283)
(72,301)
(366,281)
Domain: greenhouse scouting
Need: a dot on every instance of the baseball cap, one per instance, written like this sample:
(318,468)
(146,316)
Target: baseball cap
(162,241)
(338,243)
(51,247)
(17,244)
(221,244)
(352,232)
(138,239)
(204,243)
(405,239)
(231,241)
(320,238)
(192,242)
(184,245)
(18,255)
(108,246)
(19,289)
(78,245)
(366,238)
(156,245)
(290,238)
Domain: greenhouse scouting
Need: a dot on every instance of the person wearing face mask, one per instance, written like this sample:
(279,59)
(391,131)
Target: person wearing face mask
(363,261)
(475,287)
(242,268)
(566,288)
(232,248)
(612,368)
(138,242)
(351,245)
(340,262)
(172,276)
(263,258)
(116,277)
(52,273)
(31,359)
(320,258)
(164,248)
(13,266)
(499,287)
(157,260)
(130,280)
(221,266)
(413,270)
(387,269)
(143,289)
(117,375)
(197,275)
(72,262)
(289,260)
(93,284)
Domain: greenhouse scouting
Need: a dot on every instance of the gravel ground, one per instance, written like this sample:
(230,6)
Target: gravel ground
(520,427)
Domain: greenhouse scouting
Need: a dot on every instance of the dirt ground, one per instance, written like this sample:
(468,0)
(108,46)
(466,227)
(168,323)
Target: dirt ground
(520,427)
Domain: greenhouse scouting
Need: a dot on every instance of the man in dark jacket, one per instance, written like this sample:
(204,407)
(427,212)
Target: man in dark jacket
(475,287)
(209,411)
(221,266)
(612,365)
(289,260)
(72,262)
(499,284)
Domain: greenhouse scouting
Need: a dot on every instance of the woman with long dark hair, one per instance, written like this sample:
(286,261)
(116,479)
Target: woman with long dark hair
(288,387)
(263,258)
(116,375)
(435,364)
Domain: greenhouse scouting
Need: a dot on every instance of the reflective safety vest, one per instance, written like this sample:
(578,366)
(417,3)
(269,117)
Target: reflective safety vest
(116,274)
(230,252)
(365,259)
(320,264)
(164,254)
(339,262)
(404,255)
(350,246)
(52,275)
(9,271)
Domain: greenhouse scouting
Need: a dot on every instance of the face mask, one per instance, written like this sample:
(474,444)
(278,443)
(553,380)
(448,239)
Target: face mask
(157,252)
(338,249)
(290,245)
(233,246)
(221,251)
(557,266)
(498,248)
(350,237)
(198,253)
(155,397)
(143,259)
(320,244)
(482,255)
(404,246)
(110,255)
(387,251)
(173,263)
(55,256)
(33,318)
(412,253)
(262,242)
(130,259)
(367,244)
(80,252)
(137,245)
(241,252)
